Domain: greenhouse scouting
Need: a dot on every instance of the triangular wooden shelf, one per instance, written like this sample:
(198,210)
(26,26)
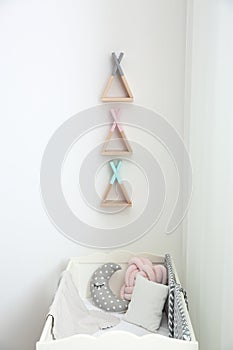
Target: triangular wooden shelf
(116,203)
(117,69)
(115,152)
(116,178)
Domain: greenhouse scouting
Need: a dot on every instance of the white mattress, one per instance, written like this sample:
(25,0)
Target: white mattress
(129,327)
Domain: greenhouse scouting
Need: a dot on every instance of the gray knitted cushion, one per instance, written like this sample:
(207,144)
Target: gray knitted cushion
(177,323)
(181,329)
(171,296)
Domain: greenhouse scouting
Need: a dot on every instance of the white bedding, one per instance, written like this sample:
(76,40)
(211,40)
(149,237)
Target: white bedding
(128,327)
(81,269)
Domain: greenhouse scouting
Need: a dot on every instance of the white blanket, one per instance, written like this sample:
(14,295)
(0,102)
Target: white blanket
(70,315)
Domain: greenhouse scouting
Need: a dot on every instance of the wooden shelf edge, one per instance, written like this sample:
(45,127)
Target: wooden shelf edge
(115,153)
(117,99)
(112,203)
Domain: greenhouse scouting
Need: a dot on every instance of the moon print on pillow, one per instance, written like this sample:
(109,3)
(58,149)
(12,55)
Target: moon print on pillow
(102,295)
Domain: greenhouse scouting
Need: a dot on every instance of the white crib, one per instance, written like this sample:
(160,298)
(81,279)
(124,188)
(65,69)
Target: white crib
(81,268)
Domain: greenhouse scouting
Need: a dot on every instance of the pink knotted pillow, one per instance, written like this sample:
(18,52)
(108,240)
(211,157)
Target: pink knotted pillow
(145,268)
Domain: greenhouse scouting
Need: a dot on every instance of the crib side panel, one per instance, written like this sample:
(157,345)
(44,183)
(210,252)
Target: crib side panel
(118,340)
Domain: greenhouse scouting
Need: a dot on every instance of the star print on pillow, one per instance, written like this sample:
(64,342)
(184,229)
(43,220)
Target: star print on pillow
(101,293)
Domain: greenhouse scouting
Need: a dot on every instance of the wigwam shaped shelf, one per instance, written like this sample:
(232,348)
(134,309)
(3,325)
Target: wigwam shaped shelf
(116,178)
(117,69)
(122,136)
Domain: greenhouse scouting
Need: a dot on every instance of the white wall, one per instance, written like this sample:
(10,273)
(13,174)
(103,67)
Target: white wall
(54,62)
(209,229)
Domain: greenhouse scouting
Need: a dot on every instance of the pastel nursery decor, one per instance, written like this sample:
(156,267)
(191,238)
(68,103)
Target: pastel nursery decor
(116,125)
(137,328)
(116,178)
(117,69)
(145,268)
(146,306)
(102,295)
